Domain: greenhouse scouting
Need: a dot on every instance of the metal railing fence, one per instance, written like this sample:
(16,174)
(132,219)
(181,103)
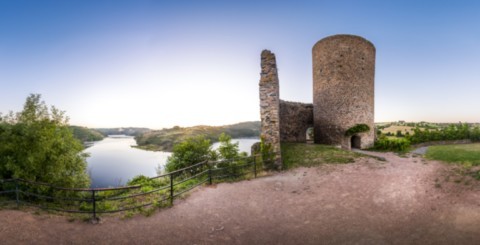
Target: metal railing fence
(158,191)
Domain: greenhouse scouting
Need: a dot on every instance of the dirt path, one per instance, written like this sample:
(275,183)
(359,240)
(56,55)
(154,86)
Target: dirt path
(400,201)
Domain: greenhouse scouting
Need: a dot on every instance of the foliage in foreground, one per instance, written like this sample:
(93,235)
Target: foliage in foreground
(306,155)
(36,144)
(191,151)
(199,149)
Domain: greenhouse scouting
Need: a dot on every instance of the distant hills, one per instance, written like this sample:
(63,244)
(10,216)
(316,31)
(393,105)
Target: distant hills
(130,131)
(165,139)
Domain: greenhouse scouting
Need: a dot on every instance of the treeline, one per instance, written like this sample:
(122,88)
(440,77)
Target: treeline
(165,139)
(460,131)
(130,131)
(86,134)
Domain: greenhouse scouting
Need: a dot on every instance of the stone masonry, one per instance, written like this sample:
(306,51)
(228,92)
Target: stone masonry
(343,96)
(270,104)
(343,90)
(295,119)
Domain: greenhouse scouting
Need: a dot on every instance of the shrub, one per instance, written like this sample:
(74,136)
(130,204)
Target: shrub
(392,144)
(36,144)
(399,133)
(227,149)
(190,152)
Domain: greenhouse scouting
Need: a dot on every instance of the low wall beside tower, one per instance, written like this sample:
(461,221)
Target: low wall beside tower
(295,119)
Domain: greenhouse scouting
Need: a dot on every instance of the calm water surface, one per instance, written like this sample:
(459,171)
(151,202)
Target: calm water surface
(243,144)
(113,161)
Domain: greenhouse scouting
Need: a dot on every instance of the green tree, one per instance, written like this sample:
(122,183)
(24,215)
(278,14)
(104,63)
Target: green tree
(191,151)
(36,144)
(227,149)
(399,133)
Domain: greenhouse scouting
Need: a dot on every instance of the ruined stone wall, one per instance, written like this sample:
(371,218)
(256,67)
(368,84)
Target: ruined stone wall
(295,119)
(270,104)
(343,89)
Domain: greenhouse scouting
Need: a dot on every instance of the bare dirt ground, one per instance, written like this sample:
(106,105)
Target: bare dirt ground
(405,200)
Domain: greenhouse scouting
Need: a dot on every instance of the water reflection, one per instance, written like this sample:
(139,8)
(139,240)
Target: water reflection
(113,161)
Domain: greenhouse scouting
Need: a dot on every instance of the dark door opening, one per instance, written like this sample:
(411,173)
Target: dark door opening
(355,142)
(309,135)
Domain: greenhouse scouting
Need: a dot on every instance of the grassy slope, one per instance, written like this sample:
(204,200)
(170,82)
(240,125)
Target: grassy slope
(298,154)
(165,139)
(468,154)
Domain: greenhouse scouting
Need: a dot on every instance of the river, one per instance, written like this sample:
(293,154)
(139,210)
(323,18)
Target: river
(113,161)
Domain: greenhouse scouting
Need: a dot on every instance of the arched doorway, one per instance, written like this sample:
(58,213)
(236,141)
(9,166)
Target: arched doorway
(355,142)
(309,135)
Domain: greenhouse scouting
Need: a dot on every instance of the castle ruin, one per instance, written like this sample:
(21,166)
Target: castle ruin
(343,97)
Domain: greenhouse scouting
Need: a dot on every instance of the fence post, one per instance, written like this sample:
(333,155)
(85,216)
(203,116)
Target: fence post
(171,188)
(17,194)
(94,204)
(209,174)
(255,165)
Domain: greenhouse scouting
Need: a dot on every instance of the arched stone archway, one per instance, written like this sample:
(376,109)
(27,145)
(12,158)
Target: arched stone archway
(309,134)
(356,142)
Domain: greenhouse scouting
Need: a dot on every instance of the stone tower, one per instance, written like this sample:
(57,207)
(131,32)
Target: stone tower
(270,104)
(343,90)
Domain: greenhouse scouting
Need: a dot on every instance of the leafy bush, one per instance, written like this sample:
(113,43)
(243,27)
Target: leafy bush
(147,181)
(36,144)
(227,149)
(358,128)
(190,152)
(399,133)
(392,144)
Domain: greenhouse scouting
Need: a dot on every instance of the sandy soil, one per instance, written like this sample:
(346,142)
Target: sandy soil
(401,201)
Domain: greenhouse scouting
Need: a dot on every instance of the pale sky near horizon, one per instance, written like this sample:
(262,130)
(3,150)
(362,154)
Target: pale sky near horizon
(158,64)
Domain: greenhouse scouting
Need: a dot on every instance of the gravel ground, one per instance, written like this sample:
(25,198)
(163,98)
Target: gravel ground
(404,200)
(420,150)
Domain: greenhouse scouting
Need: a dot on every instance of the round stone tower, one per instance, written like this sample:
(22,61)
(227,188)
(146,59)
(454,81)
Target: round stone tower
(343,90)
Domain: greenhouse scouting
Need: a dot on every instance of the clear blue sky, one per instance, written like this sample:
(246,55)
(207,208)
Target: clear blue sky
(163,63)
